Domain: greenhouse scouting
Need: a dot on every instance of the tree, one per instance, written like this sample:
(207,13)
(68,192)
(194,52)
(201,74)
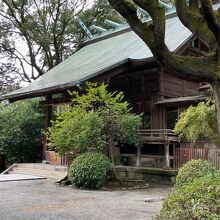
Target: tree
(198,123)
(36,35)
(94,121)
(21,131)
(40,28)
(200,18)
(8,82)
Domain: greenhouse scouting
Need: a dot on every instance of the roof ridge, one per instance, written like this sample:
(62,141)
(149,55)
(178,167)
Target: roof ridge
(126,28)
(120,30)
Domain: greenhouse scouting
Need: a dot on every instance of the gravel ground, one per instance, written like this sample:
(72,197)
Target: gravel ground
(42,199)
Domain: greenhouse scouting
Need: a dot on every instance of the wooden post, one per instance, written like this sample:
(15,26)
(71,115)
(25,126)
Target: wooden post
(167,154)
(47,122)
(174,147)
(138,156)
(48,112)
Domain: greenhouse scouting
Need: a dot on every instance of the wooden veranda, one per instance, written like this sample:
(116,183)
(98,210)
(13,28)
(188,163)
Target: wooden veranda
(163,138)
(174,156)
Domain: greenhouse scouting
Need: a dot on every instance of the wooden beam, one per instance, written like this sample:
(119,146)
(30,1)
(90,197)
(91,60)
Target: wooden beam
(55,101)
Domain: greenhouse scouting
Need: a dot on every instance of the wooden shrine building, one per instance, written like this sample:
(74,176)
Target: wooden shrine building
(121,59)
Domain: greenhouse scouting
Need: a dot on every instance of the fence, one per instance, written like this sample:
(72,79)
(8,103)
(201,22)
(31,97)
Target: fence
(183,155)
(54,159)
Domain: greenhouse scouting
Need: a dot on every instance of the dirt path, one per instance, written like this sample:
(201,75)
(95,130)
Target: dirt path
(42,199)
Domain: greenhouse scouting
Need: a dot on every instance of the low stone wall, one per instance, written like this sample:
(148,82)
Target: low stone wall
(147,174)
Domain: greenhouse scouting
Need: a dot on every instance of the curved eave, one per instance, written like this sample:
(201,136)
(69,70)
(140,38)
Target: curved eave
(66,86)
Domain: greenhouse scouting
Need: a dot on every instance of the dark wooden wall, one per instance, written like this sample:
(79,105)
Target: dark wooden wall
(173,86)
(144,88)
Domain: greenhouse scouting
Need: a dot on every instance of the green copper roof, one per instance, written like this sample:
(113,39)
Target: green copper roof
(99,56)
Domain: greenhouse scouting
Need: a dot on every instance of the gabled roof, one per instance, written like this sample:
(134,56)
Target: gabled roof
(99,56)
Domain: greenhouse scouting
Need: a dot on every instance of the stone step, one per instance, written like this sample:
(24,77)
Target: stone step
(38,172)
(42,166)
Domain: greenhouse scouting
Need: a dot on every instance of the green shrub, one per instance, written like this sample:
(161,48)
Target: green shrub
(194,169)
(89,170)
(198,199)
(21,131)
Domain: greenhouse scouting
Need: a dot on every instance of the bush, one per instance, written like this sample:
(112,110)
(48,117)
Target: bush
(198,199)
(194,169)
(89,170)
(21,131)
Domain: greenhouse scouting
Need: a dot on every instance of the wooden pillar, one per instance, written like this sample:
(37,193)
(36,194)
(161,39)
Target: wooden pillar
(138,156)
(47,121)
(167,154)
(48,112)
(174,147)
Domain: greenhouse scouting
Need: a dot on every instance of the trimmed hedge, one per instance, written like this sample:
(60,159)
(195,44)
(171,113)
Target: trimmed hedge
(196,200)
(196,193)
(194,169)
(90,170)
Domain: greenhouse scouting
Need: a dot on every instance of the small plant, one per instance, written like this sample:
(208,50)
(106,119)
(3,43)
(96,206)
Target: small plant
(194,169)
(89,170)
(198,199)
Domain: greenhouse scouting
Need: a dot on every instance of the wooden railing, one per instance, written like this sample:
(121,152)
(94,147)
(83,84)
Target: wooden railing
(157,135)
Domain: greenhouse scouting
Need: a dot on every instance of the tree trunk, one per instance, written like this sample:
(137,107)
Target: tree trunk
(111,146)
(216,90)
